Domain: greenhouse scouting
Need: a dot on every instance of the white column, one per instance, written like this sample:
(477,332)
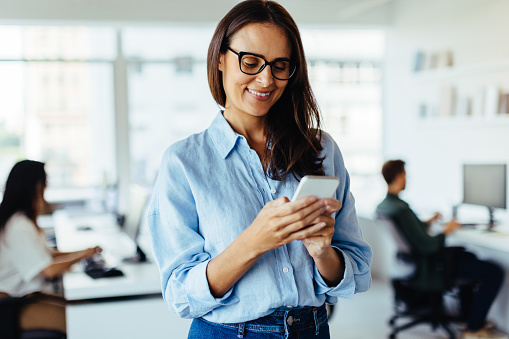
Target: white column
(123,161)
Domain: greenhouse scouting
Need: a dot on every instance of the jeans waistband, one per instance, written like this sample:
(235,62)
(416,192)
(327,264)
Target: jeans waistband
(284,321)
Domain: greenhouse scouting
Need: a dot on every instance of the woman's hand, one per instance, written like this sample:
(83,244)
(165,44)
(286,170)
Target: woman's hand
(91,251)
(63,261)
(82,254)
(318,243)
(278,223)
(328,261)
(281,222)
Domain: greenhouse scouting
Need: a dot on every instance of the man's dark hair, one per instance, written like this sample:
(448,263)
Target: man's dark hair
(391,169)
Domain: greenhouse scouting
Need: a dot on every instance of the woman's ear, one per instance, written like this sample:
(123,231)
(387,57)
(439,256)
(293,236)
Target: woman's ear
(220,65)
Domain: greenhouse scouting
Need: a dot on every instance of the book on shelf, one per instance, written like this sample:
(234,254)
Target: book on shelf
(427,110)
(423,110)
(419,61)
(445,59)
(463,106)
(503,107)
(478,103)
(491,101)
(432,61)
(428,61)
(446,101)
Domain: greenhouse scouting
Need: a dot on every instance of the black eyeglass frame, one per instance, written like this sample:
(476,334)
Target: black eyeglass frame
(241,54)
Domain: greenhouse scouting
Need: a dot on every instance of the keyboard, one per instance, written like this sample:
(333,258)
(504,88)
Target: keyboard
(95,267)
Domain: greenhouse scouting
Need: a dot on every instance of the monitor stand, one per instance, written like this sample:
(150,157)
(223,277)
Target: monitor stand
(139,257)
(491,225)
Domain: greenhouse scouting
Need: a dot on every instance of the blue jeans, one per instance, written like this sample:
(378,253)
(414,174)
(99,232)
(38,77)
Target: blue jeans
(292,323)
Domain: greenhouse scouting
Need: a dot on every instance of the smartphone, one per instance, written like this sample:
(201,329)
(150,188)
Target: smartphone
(320,186)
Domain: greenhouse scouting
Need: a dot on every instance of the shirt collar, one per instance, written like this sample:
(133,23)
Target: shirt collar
(222,135)
(392,196)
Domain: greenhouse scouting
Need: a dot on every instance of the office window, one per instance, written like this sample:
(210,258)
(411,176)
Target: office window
(57,96)
(345,74)
(169,97)
(56,103)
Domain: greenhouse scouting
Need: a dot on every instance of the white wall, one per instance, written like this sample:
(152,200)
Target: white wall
(476,32)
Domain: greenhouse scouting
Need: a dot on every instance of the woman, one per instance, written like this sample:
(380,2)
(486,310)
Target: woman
(26,262)
(234,253)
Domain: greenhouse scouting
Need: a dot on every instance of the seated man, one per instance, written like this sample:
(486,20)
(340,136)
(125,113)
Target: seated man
(460,265)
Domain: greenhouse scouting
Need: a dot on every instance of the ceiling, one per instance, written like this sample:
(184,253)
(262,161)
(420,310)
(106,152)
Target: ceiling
(337,12)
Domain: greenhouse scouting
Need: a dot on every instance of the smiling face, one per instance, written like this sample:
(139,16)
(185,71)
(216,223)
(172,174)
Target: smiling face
(250,96)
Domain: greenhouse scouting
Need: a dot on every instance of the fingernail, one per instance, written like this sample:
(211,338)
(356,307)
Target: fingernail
(322,224)
(311,198)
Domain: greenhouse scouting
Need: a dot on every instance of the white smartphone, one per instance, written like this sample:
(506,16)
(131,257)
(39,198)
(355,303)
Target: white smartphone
(320,186)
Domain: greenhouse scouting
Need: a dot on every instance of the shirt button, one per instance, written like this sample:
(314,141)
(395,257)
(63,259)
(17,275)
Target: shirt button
(285,269)
(289,320)
(273,191)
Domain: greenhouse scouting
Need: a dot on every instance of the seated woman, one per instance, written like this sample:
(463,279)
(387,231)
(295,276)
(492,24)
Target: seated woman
(27,264)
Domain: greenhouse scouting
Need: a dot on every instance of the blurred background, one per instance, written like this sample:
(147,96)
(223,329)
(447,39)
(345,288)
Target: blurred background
(99,89)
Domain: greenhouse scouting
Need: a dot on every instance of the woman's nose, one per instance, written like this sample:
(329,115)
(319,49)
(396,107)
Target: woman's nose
(265,77)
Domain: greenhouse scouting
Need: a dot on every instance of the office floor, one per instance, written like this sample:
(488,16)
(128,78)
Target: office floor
(365,317)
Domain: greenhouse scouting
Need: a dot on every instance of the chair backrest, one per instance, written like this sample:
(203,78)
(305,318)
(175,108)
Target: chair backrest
(402,265)
(9,317)
(9,321)
(400,242)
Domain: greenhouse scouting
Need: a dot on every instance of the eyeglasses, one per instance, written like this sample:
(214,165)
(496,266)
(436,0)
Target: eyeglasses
(281,68)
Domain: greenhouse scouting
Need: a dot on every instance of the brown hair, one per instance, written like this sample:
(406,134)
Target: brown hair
(391,169)
(293,123)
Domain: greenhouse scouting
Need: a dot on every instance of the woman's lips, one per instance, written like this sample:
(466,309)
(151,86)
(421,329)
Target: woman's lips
(259,95)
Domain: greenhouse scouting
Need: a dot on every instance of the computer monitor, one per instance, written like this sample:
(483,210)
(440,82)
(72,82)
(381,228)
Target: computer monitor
(134,218)
(485,185)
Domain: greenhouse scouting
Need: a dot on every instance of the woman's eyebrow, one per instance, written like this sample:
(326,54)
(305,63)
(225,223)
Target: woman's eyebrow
(263,57)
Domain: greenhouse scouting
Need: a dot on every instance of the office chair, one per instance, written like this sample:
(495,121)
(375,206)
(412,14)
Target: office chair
(10,308)
(419,304)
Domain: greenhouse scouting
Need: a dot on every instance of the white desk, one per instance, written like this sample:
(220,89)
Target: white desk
(493,247)
(125,307)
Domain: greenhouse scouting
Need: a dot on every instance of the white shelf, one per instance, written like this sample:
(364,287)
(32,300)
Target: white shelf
(461,71)
(500,121)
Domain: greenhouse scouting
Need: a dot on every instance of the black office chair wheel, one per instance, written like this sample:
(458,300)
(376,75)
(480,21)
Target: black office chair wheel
(392,336)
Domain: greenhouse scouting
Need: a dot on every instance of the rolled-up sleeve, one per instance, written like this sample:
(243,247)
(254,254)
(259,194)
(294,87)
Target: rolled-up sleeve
(178,247)
(347,238)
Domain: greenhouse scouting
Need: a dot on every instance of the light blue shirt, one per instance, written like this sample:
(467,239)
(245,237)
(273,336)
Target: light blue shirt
(210,188)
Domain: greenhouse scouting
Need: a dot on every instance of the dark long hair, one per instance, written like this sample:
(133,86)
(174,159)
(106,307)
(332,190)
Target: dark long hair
(21,190)
(293,123)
